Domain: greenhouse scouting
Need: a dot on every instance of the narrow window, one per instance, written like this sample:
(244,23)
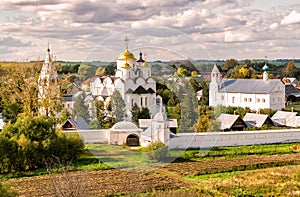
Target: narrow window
(146,103)
(233,99)
(141,101)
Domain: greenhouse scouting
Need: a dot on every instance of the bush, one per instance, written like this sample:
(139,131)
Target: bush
(6,191)
(30,142)
(156,151)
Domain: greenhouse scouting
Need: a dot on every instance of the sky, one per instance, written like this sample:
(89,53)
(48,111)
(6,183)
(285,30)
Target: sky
(93,30)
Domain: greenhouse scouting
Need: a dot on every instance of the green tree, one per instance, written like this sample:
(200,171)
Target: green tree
(85,71)
(205,93)
(103,114)
(118,106)
(290,69)
(80,109)
(188,107)
(65,115)
(135,111)
(111,69)
(144,113)
(229,64)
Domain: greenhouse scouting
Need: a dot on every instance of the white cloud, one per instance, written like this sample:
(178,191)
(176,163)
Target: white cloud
(292,18)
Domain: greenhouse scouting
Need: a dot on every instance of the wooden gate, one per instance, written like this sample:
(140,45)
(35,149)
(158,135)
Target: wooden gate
(133,140)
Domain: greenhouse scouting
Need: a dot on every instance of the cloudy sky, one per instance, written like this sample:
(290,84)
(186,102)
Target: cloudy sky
(164,29)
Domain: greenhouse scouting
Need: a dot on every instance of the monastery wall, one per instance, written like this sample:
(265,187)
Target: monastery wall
(211,139)
(216,139)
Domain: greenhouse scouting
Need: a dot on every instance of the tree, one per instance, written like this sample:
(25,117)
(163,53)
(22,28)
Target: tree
(65,115)
(135,110)
(80,109)
(144,113)
(111,69)
(85,71)
(118,106)
(229,64)
(188,107)
(103,114)
(195,84)
(290,69)
(100,71)
(205,93)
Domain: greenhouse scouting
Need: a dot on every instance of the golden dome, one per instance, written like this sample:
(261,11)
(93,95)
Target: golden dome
(126,65)
(126,55)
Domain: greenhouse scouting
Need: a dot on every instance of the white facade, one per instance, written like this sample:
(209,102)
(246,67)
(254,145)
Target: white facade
(253,93)
(132,79)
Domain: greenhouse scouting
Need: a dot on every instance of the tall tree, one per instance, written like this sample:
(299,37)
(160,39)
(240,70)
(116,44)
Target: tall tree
(85,71)
(290,69)
(135,110)
(80,109)
(188,105)
(118,106)
(229,64)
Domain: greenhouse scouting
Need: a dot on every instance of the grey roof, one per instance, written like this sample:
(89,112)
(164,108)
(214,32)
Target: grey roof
(280,117)
(145,123)
(257,86)
(78,123)
(290,90)
(227,120)
(124,125)
(68,97)
(293,121)
(256,120)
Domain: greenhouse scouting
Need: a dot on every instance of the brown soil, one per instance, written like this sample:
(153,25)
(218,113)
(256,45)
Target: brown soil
(108,182)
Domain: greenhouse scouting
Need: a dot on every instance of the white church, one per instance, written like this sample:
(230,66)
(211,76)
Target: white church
(253,93)
(132,79)
(134,82)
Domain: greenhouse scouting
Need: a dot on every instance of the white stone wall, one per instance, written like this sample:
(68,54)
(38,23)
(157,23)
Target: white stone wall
(216,139)
(207,140)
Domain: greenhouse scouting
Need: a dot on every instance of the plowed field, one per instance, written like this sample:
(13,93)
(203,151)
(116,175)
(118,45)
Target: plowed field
(99,183)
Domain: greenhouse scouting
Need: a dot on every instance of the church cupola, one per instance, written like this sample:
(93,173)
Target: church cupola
(141,58)
(265,72)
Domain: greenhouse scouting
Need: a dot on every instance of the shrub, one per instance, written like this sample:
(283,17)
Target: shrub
(156,151)
(6,191)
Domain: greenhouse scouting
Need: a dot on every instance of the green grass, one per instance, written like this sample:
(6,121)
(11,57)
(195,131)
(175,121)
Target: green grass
(102,157)
(238,151)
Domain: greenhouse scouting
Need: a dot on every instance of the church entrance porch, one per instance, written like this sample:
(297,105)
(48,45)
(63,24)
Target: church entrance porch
(132,140)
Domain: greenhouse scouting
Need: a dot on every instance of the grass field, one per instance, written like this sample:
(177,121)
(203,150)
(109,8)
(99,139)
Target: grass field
(260,170)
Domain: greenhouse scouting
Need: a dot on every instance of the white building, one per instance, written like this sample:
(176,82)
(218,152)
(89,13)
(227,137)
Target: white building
(132,79)
(253,93)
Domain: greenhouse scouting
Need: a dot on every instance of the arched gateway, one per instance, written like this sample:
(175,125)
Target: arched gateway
(132,140)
